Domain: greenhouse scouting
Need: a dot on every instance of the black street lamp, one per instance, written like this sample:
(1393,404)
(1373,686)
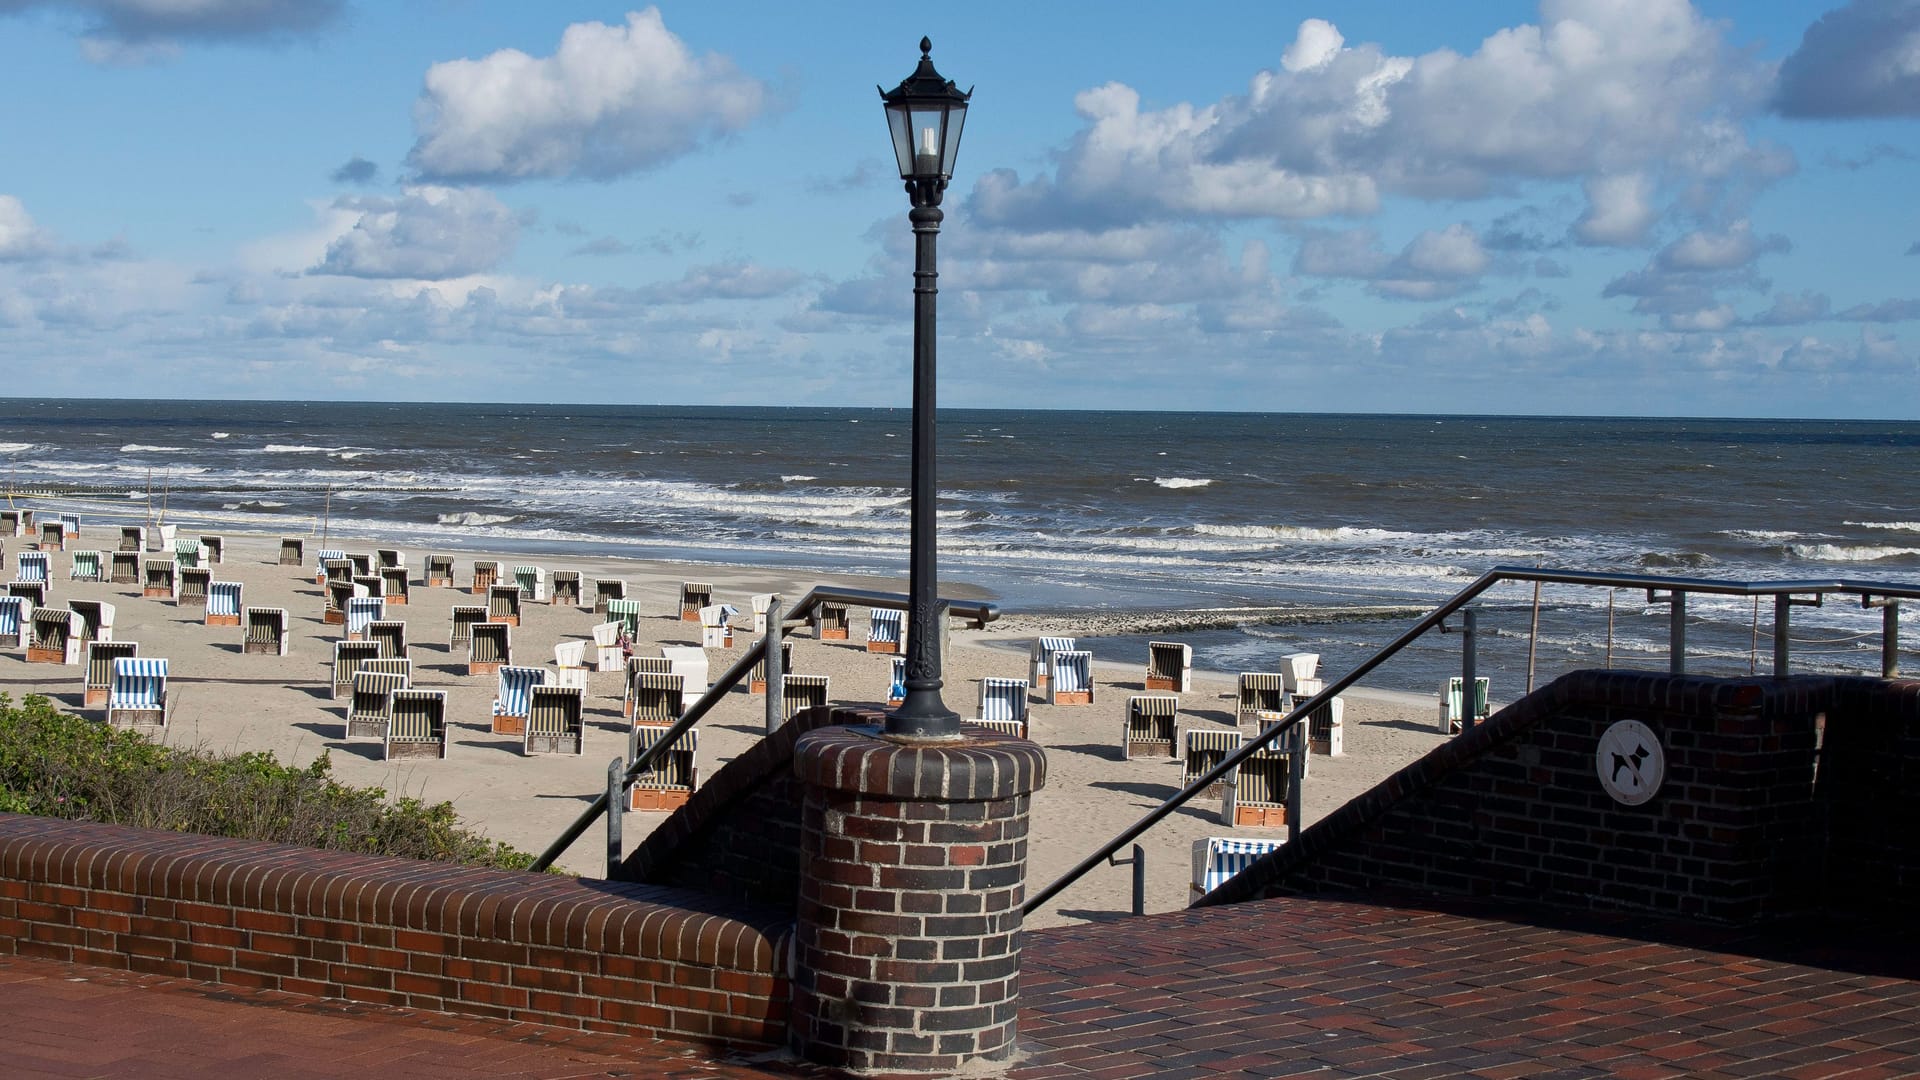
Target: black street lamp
(925,114)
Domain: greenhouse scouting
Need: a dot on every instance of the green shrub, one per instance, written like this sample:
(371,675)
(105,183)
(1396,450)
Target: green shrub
(53,764)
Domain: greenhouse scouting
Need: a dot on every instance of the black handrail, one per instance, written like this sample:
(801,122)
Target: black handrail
(979,612)
(1864,589)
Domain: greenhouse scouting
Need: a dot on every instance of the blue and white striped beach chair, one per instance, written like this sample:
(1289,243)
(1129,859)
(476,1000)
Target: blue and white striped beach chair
(1071,678)
(138,696)
(15,613)
(886,630)
(1041,654)
(1218,858)
(897,690)
(32,566)
(89,566)
(513,696)
(1003,706)
(70,525)
(320,560)
(223,603)
(362,610)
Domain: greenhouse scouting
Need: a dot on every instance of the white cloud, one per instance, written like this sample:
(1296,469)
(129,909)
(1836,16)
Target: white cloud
(1727,249)
(610,101)
(137,31)
(1619,210)
(1435,264)
(427,233)
(739,280)
(20,238)
(1793,308)
(1862,59)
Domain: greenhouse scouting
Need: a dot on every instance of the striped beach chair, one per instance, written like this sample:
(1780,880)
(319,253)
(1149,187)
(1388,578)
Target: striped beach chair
(1169,666)
(799,692)
(70,525)
(635,665)
(489,647)
(513,696)
(716,629)
(33,592)
(348,658)
(194,582)
(1040,653)
(224,603)
(133,538)
(266,631)
(1326,729)
(124,568)
(417,724)
(216,549)
(50,637)
(32,567)
(626,613)
(607,653)
(553,722)
(1257,788)
(293,551)
(897,689)
(757,679)
(486,574)
(100,658)
(160,580)
(10,521)
(1260,691)
(566,588)
(92,621)
(830,622)
(189,551)
(694,595)
(503,604)
(1149,728)
(1216,859)
(1071,680)
(393,583)
(532,582)
(16,612)
(1300,671)
(1003,706)
(389,559)
(657,697)
(464,616)
(137,697)
(390,635)
(371,584)
(362,611)
(439,572)
(88,566)
(675,772)
(1454,715)
(362,563)
(370,709)
(1203,748)
(335,566)
(336,594)
(886,630)
(606,590)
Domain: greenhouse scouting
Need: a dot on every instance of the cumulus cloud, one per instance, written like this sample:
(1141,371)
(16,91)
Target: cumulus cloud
(1884,311)
(428,232)
(610,101)
(1619,211)
(738,280)
(1859,60)
(1437,263)
(1793,308)
(20,238)
(1727,249)
(357,170)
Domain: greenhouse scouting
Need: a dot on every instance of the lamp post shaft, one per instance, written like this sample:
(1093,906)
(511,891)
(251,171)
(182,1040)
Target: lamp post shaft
(922,714)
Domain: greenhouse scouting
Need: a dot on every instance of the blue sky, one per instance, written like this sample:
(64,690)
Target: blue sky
(1572,207)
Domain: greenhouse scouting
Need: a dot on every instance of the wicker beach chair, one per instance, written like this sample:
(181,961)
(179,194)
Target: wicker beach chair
(223,603)
(1002,706)
(348,658)
(566,588)
(69,525)
(694,595)
(799,692)
(417,724)
(99,671)
(335,597)
(553,722)
(657,697)
(1149,728)
(11,522)
(532,582)
(50,637)
(125,568)
(16,612)
(886,630)
(88,566)
(1203,748)
(1216,859)
(216,549)
(1169,666)
(389,559)
(1071,679)
(1040,656)
(293,551)
(370,709)
(266,631)
(1326,729)
(605,590)
(362,563)
(390,635)
(464,616)
(757,679)
(137,698)
(333,565)
(438,573)
(1257,788)
(489,647)
(32,567)
(830,622)
(133,538)
(626,613)
(53,536)
(393,584)
(637,665)
(675,772)
(92,621)
(371,585)
(513,697)
(486,574)
(1260,691)
(189,551)
(1454,715)
(194,581)
(503,604)
(34,592)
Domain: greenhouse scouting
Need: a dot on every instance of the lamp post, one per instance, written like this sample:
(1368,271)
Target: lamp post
(925,114)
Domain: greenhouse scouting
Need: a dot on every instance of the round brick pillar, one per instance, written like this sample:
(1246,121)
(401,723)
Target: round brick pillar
(907,947)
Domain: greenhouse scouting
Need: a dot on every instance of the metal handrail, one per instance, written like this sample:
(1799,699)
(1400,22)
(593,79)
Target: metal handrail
(979,612)
(1866,590)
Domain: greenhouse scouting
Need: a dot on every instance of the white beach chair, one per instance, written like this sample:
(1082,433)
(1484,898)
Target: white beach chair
(607,654)
(762,603)
(690,662)
(1071,678)
(223,603)
(1041,654)
(1002,706)
(1216,859)
(570,655)
(1300,673)
(716,632)
(886,630)
(1149,727)
(138,697)
(513,696)
(266,631)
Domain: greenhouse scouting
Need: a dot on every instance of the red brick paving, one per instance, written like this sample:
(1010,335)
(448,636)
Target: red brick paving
(1270,989)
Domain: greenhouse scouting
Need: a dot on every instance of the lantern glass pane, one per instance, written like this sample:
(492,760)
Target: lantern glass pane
(929,143)
(897,121)
(956,117)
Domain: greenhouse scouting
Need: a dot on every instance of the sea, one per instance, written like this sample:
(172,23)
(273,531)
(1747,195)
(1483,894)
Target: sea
(1246,535)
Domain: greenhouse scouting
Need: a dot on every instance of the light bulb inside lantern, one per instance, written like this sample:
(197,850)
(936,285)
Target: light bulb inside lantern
(926,161)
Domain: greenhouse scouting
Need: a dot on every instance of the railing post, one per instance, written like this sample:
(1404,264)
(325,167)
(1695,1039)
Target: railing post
(1677,634)
(1782,626)
(1138,860)
(774,664)
(1469,664)
(1890,640)
(1297,770)
(616,807)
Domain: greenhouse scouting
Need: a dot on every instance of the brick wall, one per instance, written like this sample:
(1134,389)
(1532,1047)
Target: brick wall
(540,948)
(1513,810)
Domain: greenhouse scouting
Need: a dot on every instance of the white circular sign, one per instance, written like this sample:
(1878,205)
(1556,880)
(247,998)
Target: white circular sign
(1630,762)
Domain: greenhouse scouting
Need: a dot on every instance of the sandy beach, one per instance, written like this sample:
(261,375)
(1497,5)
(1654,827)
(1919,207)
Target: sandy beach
(228,701)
